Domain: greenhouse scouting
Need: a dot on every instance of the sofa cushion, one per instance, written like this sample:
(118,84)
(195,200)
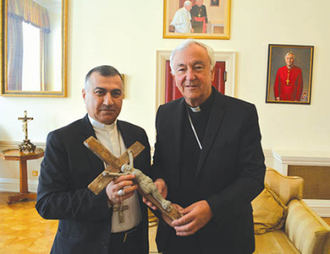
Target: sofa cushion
(269,212)
(274,243)
(307,231)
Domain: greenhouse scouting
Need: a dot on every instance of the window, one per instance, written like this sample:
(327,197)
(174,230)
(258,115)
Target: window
(32,55)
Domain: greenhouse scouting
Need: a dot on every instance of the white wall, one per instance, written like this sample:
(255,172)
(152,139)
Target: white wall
(127,34)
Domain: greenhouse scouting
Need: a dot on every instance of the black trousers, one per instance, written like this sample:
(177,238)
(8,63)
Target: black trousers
(183,244)
(129,242)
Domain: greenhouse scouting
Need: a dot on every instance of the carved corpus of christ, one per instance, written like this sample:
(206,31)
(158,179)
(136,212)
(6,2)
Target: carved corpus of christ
(124,165)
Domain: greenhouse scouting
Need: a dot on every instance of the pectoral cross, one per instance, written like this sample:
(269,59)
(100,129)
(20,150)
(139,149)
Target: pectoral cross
(287,79)
(120,208)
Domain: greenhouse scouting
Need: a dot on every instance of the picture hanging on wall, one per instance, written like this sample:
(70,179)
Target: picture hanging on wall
(215,2)
(289,75)
(199,19)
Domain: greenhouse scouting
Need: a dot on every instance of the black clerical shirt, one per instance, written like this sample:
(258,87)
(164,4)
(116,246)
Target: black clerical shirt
(191,151)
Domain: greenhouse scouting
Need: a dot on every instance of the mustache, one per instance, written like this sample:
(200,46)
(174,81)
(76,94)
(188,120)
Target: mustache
(190,84)
(105,107)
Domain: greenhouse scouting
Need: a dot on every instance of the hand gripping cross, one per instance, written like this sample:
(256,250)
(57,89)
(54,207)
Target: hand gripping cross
(125,164)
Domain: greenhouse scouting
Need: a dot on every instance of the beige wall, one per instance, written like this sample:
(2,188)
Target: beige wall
(127,34)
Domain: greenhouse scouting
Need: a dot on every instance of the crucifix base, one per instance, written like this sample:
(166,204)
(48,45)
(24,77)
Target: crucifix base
(27,146)
(172,215)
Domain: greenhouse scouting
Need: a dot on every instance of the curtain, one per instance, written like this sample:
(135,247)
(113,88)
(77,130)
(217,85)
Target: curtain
(30,12)
(14,54)
(22,11)
(44,86)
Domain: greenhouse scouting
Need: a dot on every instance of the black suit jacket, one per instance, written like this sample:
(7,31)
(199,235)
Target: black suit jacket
(66,170)
(230,170)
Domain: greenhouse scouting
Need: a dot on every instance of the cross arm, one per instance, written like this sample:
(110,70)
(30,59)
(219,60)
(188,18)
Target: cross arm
(114,163)
(113,170)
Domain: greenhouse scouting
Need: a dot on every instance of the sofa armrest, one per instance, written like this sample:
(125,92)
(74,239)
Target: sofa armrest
(286,187)
(307,231)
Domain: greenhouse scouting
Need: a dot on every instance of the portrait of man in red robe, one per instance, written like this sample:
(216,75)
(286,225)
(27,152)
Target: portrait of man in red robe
(288,83)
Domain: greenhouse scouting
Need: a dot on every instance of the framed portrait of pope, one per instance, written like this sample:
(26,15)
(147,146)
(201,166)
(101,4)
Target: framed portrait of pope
(289,75)
(199,19)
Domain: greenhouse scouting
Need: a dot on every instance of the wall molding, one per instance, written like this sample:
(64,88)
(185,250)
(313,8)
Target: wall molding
(13,185)
(320,206)
(226,56)
(268,152)
(283,158)
(17,143)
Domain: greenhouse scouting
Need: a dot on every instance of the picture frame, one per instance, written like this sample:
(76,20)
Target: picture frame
(291,85)
(214,25)
(215,3)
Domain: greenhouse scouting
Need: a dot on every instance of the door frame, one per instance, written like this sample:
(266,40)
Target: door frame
(226,56)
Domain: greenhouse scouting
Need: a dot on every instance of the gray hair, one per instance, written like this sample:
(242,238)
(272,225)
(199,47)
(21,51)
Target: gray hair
(290,53)
(185,45)
(187,3)
(103,70)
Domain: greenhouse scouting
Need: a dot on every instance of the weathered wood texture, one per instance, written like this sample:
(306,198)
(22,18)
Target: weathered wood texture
(114,165)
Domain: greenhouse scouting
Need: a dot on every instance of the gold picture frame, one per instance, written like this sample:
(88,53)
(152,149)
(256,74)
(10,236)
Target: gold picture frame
(293,84)
(51,19)
(216,24)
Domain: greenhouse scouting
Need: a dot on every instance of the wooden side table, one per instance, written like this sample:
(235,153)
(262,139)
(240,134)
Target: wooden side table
(16,155)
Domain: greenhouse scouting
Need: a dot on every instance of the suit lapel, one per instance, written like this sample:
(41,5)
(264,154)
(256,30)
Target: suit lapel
(216,116)
(178,120)
(174,125)
(126,134)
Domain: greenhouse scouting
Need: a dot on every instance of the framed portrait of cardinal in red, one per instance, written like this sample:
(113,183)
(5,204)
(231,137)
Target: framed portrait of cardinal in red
(289,75)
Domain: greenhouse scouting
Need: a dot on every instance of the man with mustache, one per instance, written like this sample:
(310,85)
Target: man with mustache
(91,223)
(208,161)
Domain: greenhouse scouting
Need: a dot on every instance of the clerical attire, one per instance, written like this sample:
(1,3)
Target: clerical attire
(288,84)
(87,222)
(182,21)
(194,130)
(199,18)
(129,210)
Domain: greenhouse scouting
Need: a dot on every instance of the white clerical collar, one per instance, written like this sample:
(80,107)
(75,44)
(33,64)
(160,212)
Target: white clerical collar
(196,109)
(98,125)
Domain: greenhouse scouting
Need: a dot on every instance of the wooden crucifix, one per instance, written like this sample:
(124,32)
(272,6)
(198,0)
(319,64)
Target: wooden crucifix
(114,170)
